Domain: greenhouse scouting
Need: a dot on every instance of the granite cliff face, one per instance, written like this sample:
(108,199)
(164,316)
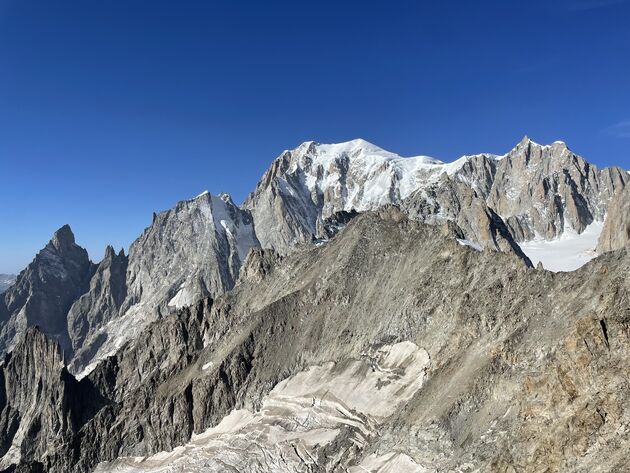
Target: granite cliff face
(309,184)
(99,305)
(44,292)
(539,190)
(190,252)
(454,200)
(196,249)
(389,348)
(533,191)
(616,231)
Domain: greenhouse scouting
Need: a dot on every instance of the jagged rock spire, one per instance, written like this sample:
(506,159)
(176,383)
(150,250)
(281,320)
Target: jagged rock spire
(63,238)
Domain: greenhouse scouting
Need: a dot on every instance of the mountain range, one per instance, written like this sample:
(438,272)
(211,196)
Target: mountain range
(6,280)
(359,311)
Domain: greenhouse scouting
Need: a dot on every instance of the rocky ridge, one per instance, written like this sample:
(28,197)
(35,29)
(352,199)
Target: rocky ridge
(44,292)
(190,252)
(535,190)
(520,369)
(196,249)
(616,231)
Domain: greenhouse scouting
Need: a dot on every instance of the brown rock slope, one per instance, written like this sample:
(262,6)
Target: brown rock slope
(528,369)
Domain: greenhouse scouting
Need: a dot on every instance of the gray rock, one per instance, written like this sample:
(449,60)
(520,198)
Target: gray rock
(454,200)
(200,320)
(517,355)
(311,183)
(42,407)
(538,190)
(616,231)
(308,194)
(99,305)
(44,292)
(190,252)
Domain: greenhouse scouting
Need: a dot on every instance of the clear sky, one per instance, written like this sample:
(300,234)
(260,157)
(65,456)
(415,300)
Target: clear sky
(110,110)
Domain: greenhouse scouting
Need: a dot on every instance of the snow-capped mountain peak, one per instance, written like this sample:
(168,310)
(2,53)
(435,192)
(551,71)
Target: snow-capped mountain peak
(315,180)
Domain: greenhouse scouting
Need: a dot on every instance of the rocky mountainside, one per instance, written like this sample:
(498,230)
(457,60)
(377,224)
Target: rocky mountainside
(39,397)
(389,348)
(360,311)
(305,186)
(44,292)
(6,281)
(540,190)
(188,253)
(616,231)
(533,190)
(534,193)
(100,305)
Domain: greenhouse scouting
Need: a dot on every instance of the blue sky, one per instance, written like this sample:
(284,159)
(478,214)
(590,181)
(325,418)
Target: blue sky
(112,110)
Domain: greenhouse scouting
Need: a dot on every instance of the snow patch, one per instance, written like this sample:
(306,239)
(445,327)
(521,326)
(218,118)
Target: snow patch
(183,298)
(299,416)
(392,462)
(566,253)
(472,244)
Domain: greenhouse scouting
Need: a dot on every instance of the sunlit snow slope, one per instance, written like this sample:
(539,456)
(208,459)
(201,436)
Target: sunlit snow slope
(566,253)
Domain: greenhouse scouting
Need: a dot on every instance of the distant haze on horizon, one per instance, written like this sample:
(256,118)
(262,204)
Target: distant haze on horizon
(111,111)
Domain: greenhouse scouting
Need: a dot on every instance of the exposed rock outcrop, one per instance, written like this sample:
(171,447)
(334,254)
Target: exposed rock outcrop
(516,355)
(456,201)
(190,252)
(44,292)
(100,305)
(539,189)
(616,231)
(309,184)
(258,264)
(42,407)
(536,190)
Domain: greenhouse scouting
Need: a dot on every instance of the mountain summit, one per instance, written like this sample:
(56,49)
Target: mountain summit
(361,311)
(44,292)
(523,202)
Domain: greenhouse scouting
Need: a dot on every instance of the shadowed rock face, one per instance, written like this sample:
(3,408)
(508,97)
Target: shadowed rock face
(100,305)
(44,292)
(538,190)
(515,355)
(616,231)
(42,407)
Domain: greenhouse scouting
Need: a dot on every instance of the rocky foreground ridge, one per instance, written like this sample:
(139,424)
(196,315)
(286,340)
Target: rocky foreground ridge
(360,311)
(390,348)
